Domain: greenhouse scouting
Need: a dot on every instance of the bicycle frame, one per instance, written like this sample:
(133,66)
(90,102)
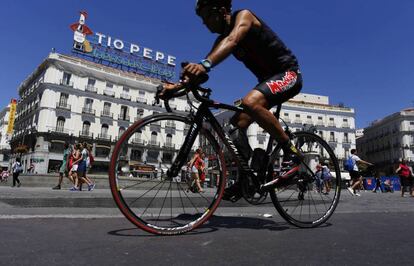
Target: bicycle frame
(204,113)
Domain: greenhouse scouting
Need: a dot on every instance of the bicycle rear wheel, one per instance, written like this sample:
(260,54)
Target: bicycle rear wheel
(308,199)
(142,184)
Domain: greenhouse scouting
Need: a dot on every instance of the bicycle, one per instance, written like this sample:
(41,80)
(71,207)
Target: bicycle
(162,204)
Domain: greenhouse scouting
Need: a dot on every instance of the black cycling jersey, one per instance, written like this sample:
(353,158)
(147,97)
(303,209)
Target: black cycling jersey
(263,52)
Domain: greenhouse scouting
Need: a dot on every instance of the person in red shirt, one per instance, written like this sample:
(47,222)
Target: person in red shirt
(405,174)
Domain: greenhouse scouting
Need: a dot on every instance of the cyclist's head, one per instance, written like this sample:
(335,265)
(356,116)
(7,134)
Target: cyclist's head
(214,13)
(201,4)
(353,151)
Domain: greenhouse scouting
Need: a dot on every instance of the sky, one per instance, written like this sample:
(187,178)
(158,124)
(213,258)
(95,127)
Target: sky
(359,53)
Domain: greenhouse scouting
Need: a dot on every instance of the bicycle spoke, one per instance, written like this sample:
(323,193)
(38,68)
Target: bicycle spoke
(310,208)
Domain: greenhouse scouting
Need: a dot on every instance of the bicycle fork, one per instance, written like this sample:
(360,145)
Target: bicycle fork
(181,158)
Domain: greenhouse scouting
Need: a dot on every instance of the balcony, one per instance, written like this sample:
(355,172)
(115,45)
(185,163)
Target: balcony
(141,100)
(154,144)
(169,146)
(59,130)
(125,96)
(346,141)
(108,92)
(85,134)
(138,141)
(91,88)
(332,140)
(346,125)
(331,124)
(88,111)
(137,118)
(63,105)
(107,114)
(66,83)
(104,137)
(123,117)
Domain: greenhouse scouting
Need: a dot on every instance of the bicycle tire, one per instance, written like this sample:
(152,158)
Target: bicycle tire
(305,184)
(170,222)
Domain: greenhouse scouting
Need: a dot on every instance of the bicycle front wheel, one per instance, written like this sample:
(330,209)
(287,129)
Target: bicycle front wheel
(142,184)
(309,198)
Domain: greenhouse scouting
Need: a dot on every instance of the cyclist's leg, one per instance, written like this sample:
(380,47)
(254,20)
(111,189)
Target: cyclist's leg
(273,91)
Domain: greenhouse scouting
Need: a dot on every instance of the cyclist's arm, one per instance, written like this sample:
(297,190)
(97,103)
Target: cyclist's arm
(365,162)
(245,20)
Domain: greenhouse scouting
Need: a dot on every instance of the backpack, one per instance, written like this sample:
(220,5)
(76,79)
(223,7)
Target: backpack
(349,164)
(18,168)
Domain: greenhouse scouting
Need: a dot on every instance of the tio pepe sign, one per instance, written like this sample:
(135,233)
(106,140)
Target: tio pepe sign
(116,52)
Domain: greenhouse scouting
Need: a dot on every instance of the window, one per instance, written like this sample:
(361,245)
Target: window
(66,78)
(309,117)
(126,90)
(346,139)
(109,85)
(169,140)
(60,124)
(63,100)
(88,103)
(124,115)
(332,136)
(107,109)
(286,114)
(104,131)
(86,128)
(154,138)
(331,119)
(320,118)
(91,82)
(298,115)
(142,94)
(345,120)
(136,155)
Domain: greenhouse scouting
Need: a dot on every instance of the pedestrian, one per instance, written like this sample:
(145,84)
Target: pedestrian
(88,160)
(356,176)
(319,178)
(17,169)
(377,183)
(4,175)
(405,177)
(81,171)
(327,177)
(194,165)
(64,167)
(75,158)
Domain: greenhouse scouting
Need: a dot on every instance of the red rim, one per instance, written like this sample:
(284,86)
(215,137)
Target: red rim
(123,206)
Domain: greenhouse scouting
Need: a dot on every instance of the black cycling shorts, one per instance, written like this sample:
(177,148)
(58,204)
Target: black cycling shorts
(281,87)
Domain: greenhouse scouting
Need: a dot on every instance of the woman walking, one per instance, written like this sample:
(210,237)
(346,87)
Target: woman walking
(17,169)
(63,170)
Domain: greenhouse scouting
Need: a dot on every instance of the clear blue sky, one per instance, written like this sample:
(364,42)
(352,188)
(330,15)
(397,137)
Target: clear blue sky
(356,52)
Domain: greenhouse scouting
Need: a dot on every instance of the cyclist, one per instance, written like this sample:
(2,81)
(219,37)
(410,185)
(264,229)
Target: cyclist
(251,41)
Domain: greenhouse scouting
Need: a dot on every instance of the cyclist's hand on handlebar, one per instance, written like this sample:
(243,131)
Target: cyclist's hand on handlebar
(168,89)
(193,73)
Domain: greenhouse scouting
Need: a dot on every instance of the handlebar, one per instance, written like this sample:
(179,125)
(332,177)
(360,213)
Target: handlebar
(181,91)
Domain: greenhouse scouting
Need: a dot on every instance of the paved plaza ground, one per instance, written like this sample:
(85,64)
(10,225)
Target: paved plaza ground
(41,226)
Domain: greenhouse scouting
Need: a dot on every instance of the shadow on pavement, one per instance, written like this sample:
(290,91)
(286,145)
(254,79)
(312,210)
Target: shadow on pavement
(215,223)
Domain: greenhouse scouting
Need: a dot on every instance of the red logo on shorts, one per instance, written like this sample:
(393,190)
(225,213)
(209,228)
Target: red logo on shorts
(286,83)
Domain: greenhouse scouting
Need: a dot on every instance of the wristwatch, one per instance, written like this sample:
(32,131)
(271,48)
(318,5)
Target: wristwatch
(206,64)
